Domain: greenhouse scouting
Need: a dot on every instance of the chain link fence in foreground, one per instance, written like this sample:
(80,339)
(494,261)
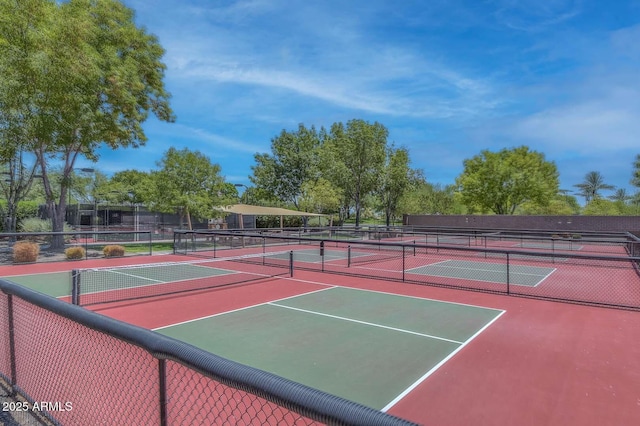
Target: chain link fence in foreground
(70,366)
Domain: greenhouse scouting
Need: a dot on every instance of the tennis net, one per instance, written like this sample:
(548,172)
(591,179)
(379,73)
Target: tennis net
(113,284)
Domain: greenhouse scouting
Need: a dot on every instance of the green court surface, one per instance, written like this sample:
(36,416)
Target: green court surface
(56,284)
(560,245)
(524,275)
(140,276)
(365,346)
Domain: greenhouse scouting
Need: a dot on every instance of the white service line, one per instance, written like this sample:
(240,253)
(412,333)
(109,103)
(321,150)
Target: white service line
(366,323)
(433,370)
(241,309)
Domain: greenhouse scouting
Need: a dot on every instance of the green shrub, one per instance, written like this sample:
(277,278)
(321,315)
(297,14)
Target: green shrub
(37,225)
(25,252)
(75,253)
(34,224)
(113,251)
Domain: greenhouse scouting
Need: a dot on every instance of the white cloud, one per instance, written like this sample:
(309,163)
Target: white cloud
(583,128)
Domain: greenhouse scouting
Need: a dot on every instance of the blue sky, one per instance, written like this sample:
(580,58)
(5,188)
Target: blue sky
(448,78)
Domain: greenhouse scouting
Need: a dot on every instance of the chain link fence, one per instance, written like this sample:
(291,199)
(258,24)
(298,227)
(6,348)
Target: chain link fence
(71,366)
(602,270)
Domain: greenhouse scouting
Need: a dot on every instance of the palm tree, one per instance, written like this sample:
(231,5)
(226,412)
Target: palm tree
(592,184)
(620,195)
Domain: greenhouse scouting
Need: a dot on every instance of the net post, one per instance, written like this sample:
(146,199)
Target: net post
(291,263)
(322,254)
(75,287)
(403,261)
(348,256)
(508,280)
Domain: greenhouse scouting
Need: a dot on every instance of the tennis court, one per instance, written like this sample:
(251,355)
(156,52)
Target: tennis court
(390,345)
(530,276)
(328,255)
(56,284)
(366,346)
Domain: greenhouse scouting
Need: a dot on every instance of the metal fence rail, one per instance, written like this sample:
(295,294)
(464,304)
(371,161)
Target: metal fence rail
(91,369)
(92,243)
(546,270)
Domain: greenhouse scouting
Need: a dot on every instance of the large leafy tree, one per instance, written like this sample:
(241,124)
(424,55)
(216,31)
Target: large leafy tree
(293,162)
(189,184)
(17,168)
(422,197)
(501,181)
(131,186)
(82,76)
(353,159)
(394,181)
(320,196)
(591,186)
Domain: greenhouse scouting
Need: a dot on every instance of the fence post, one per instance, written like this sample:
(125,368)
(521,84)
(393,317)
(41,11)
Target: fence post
(12,345)
(162,383)
(348,256)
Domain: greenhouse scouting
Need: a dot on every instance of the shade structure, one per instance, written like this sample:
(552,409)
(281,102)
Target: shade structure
(248,209)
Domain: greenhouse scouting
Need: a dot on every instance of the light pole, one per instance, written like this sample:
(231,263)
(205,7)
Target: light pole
(245,194)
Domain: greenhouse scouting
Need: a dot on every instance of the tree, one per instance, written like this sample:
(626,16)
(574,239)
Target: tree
(601,207)
(635,180)
(591,186)
(16,180)
(82,76)
(16,119)
(560,205)
(189,184)
(292,162)
(132,186)
(423,197)
(502,181)
(320,197)
(395,180)
(354,157)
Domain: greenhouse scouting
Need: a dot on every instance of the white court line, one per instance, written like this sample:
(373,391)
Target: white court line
(158,282)
(511,271)
(134,276)
(545,277)
(371,324)
(431,274)
(419,298)
(243,308)
(438,365)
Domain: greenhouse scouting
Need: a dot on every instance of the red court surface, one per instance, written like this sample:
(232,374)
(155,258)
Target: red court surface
(541,363)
